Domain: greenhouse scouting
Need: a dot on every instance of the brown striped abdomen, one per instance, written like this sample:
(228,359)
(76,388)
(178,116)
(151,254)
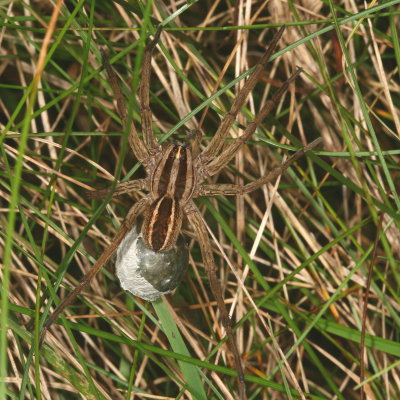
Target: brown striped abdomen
(162,224)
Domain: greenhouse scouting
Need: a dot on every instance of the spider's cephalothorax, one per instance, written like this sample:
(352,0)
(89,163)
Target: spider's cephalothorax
(174,179)
(172,186)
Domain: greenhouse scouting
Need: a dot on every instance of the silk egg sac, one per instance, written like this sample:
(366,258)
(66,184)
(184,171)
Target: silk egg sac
(146,273)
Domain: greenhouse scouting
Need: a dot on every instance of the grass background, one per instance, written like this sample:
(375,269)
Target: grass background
(296,258)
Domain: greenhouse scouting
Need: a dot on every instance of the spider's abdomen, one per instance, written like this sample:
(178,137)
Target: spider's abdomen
(162,223)
(174,174)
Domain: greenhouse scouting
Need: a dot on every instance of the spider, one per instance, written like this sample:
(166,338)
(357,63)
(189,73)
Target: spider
(174,178)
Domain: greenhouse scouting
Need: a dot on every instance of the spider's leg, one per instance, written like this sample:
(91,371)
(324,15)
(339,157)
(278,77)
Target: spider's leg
(217,141)
(230,150)
(144,95)
(120,188)
(126,225)
(138,148)
(233,190)
(197,223)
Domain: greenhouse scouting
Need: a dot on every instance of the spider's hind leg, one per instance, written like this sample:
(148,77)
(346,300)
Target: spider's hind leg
(137,209)
(197,223)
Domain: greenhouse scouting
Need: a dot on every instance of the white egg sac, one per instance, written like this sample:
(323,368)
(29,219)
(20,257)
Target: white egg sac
(146,273)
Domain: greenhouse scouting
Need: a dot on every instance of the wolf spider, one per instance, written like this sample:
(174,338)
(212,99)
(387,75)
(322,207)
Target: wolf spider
(175,176)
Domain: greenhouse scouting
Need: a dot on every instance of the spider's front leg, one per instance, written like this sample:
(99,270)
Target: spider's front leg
(137,209)
(196,221)
(138,148)
(227,121)
(144,95)
(230,150)
(149,145)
